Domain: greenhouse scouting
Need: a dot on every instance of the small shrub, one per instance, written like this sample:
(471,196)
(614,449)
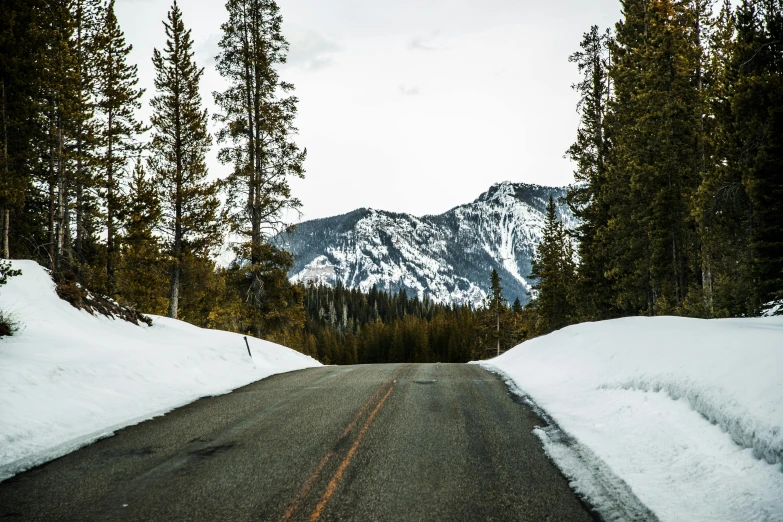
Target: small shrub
(6,271)
(8,325)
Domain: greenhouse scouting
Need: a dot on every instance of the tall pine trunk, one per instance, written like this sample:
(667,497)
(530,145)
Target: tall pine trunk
(51,221)
(6,227)
(61,200)
(177,266)
(6,216)
(110,283)
(174,290)
(78,243)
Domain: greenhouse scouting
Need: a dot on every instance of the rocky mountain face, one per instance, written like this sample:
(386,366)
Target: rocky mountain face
(447,258)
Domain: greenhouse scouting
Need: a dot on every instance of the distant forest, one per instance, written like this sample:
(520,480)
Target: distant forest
(678,191)
(348,327)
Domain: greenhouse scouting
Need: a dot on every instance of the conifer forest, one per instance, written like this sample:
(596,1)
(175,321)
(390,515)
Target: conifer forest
(678,189)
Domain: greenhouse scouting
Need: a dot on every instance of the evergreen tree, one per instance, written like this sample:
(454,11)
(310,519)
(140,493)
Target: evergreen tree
(654,166)
(179,146)
(257,123)
(140,271)
(522,323)
(721,205)
(703,24)
(118,99)
(495,306)
(87,18)
(271,303)
(553,268)
(623,244)
(47,106)
(17,80)
(756,137)
(586,197)
(257,130)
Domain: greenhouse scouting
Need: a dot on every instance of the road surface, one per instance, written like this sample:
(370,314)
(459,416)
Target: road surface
(379,442)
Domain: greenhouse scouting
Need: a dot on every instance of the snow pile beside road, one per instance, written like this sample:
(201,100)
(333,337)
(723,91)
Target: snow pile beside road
(687,412)
(68,378)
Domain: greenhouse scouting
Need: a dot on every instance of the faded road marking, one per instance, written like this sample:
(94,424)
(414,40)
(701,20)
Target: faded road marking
(313,478)
(338,475)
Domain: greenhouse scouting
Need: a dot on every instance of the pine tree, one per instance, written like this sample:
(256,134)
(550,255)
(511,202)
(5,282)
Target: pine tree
(495,305)
(53,113)
(654,124)
(87,16)
(29,38)
(140,270)
(257,124)
(45,108)
(756,137)
(703,25)
(16,81)
(554,271)
(257,129)
(623,245)
(721,205)
(179,145)
(587,197)
(118,99)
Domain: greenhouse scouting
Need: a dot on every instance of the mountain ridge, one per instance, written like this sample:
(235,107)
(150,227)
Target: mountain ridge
(446,257)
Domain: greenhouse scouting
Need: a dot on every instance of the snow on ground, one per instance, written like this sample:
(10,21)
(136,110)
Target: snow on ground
(685,415)
(68,378)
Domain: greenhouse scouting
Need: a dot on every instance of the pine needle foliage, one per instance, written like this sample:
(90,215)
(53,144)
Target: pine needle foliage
(118,99)
(190,208)
(554,273)
(257,122)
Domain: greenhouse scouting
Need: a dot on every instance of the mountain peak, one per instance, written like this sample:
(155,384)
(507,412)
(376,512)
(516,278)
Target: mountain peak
(446,258)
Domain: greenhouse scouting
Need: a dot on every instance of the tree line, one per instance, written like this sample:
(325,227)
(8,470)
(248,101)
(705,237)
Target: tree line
(348,326)
(136,217)
(679,168)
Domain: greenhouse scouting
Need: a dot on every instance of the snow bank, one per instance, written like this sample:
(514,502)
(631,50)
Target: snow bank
(68,378)
(688,413)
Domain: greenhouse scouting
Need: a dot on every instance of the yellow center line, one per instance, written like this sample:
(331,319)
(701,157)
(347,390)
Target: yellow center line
(338,475)
(311,480)
(361,411)
(306,488)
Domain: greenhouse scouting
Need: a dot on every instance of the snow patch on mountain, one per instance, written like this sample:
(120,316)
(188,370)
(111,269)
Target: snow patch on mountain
(446,258)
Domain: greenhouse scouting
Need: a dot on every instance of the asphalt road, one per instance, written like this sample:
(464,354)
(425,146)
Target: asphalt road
(382,442)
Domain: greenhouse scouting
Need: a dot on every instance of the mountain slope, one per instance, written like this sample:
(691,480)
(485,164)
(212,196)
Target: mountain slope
(447,257)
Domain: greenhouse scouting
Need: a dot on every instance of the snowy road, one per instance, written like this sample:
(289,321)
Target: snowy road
(384,442)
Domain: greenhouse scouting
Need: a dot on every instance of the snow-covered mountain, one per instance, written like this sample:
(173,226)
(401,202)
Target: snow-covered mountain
(447,257)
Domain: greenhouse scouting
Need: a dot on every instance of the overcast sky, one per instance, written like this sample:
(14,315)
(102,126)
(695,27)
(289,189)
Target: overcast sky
(409,105)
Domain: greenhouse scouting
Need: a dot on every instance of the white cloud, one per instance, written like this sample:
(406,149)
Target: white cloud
(422,43)
(207,49)
(309,49)
(410,90)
